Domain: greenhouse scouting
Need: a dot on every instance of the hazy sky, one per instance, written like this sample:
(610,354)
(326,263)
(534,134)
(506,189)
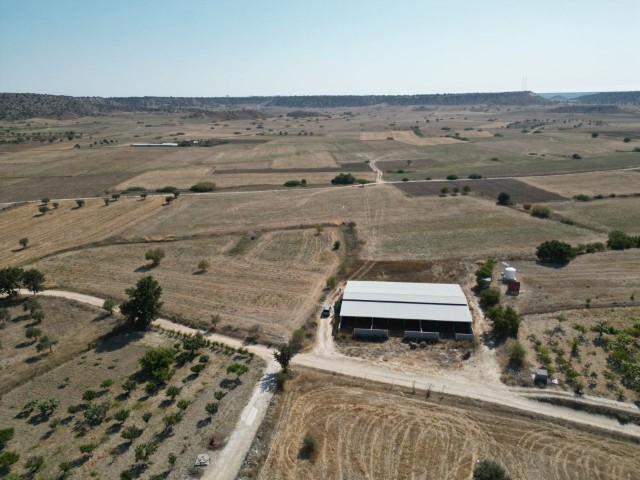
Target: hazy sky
(302,47)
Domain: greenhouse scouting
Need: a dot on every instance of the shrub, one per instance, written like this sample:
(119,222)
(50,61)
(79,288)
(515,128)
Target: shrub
(466,189)
(183,404)
(172,459)
(167,189)
(489,470)
(23,242)
(203,265)
(582,197)
(506,321)
(171,419)
(489,297)
(6,434)
(626,139)
(121,415)
(211,408)
(576,156)
(106,384)
(594,135)
(8,458)
(308,446)
(555,251)
(146,416)
(281,379)
(129,386)
(43,209)
(173,391)
(88,448)
(444,191)
(619,240)
(517,354)
(475,176)
(155,255)
(96,413)
(637,149)
(33,464)
(452,177)
(89,395)
(197,369)
(540,211)
(46,200)
(157,362)
(131,433)
(238,369)
(331,282)
(65,469)
(219,395)
(292,183)
(151,387)
(109,304)
(203,187)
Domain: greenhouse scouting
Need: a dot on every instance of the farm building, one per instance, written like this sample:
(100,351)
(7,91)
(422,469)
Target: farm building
(420,311)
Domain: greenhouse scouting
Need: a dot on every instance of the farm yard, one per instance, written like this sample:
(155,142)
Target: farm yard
(365,431)
(264,287)
(67,226)
(98,429)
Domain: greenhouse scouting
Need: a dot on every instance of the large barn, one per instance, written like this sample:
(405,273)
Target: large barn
(422,311)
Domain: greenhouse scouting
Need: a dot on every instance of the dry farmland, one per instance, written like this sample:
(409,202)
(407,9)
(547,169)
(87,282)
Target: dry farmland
(520,192)
(271,283)
(392,225)
(67,226)
(607,279)
(617,182)
(365,432)
(102,371)
(73,325)
(603,215)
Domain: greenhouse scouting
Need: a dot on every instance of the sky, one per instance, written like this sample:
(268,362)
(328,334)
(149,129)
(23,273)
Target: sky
(322,47)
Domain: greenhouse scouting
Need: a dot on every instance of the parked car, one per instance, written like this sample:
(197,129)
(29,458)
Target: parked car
(326,311)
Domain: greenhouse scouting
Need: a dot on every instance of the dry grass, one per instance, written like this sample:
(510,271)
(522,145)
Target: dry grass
(604,215)
(72,324)
(117,359)
(607,278)
(392,225)
(592,183)
(367,432)
(406,137)
(178,177)
(67,226)
(272,282)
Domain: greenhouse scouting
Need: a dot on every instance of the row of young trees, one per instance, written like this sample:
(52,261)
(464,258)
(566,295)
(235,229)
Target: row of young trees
(12,279)
(556,251)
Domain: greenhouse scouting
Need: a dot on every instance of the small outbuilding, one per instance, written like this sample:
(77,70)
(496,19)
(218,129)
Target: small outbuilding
(541,376)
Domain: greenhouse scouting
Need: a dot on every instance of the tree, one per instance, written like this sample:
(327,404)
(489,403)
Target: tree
(33,464)
(283,356)
(444,190)
(6,434)
(121,415)
(48,407)
(5,316)
(238,369)
(171,419)
(155,255)
(55,205)
(173,391)
(43,209)
(211,408)
(129,386)
(169,198)
(203,266)
(215,320)
(619,240)
(489,470)
(32,333)
(193,343)
(65,469)
(106,201)
(143,195)
(38,316)
(7,459)
(88,448)
(46,200)
(144,302)
(489,297)
(33,280)
(504,198)
(517,354)
(203,187)
(506,321)
(11,280)
(31,305)
(131,433)
(144,451)
(80,203)
(45,342)
(308,446)
(576,156)
(336,245)
(555,251)
(23,242)
(109,304)
(157,362)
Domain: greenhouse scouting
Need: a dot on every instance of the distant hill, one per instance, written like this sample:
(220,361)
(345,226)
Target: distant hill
(611,98)
(564,95)
(16,106)
(587,109)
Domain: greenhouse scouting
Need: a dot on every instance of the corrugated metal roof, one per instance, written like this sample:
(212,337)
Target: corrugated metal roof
(401,300)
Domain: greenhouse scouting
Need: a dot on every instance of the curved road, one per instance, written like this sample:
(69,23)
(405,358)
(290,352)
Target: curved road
(226,463)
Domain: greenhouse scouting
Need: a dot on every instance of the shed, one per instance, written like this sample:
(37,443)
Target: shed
(541,376)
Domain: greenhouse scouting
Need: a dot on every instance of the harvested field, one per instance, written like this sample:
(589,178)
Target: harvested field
(604,215)
(616,182)
(87,185)
(67,226)
(520,192)
(178,177)
(392,225)
(366,432)
(271,283)
(394,165)
(591,357)
(608,279)
(72,324)
(116,359)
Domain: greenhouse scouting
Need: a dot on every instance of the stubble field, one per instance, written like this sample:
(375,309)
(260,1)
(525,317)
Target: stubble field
(619,182)
(271,283)
(367,432)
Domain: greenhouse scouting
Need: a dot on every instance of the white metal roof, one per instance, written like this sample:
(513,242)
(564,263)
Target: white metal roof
(410,301)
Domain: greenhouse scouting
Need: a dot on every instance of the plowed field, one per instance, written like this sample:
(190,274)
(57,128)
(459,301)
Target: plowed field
(67,226)
(371,433)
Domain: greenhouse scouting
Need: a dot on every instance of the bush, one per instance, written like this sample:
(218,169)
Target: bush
(475,176)
(555,251)
(517,354)
(203,187)
(576,156)
(506,321)
(88,448)
(183,404)
(292,183)
(89,395)
(466,189)
(96,413)
(109,304)
(540,211)
(33,464)
(167,189)
(582,197)
(203,265)
(6,434)
(331,282)
(146,416)
(619,240)
(131,433)
(347,179)
(172,459)
(155,255)
(211,408)
(489,297)
(121,415)
(308,446)
(8,458)
(106,384)
(129,386)
(336,245)
(197,369)
(172,391)
(452,177)
(157,362)
(281,379)
(489,470)
(171,419)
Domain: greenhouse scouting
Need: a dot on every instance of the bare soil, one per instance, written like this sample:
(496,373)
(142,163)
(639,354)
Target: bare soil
(520,192)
